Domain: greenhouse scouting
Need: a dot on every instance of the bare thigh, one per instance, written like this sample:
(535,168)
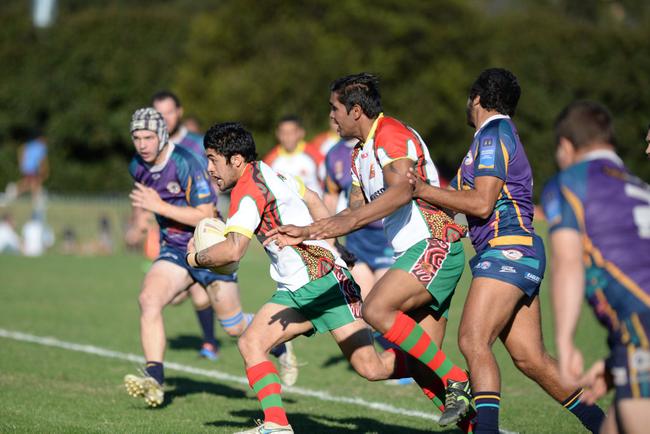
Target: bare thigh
(163,282)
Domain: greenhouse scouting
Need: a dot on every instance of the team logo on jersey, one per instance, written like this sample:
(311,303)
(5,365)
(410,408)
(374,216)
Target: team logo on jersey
(372,171)
(619,376)
(173,187)
(469,158)
(364,155)
(513,255)
(155,176)
(483,265)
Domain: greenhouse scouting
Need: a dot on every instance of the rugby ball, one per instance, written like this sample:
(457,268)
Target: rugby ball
(207,233)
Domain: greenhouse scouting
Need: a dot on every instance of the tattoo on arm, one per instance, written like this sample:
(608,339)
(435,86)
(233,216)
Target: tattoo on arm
(357,199)
(202,258)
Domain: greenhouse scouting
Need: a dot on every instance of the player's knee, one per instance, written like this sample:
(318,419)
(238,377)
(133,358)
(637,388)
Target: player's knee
(530,362)
(471,343)
(374,314)
(368,371)
(234,331)
(250,345)
(150,302)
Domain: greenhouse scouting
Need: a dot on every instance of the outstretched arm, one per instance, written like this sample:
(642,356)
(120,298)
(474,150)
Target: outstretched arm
(478,202)
(148,199)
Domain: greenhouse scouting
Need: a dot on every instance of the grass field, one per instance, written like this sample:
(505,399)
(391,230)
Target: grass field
(49,386)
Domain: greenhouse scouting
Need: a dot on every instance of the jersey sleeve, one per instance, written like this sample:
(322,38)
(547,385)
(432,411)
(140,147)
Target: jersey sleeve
(494,151)
(353,169)
(247,205)
(557,206)
(394,143)
(294,183)
(195,180)
(133,167)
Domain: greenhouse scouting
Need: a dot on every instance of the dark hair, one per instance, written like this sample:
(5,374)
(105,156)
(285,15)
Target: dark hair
(231,138)
(164,94)
(291,118)
(584,123)
(499,90)
(359,89)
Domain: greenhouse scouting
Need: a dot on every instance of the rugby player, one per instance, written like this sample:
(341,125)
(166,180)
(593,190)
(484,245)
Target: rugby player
(599,223)
(315,291)
(493,187)
(410,303)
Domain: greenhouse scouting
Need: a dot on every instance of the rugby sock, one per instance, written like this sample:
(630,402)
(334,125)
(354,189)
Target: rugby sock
(591,416)
(487,412)
(408,334)
(155,370)
(206,320)
(263,379)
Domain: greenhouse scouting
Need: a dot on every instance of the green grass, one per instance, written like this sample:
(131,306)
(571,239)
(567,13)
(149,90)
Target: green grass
(93,301)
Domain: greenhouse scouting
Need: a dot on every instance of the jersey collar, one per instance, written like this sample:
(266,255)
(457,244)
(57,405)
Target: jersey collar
(602,154)
(490,119)
(160,166)
(371,134)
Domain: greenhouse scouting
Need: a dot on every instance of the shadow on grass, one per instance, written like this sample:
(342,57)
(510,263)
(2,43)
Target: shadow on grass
(316,424)
(185,342)
(182,386)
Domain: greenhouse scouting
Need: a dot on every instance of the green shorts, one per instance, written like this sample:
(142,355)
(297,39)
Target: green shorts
(328,303)
(438,266)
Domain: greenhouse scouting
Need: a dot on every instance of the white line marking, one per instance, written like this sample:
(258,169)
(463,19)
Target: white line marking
(212,373)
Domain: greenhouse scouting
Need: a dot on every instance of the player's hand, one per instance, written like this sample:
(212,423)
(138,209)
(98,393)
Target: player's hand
(190,246)
(417,183)
(331,227)
(286,235)
(571,365)
(145,197)
(594,382)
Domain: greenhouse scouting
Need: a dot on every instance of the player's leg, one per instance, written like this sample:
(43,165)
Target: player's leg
(161,284)
(482,321)
(227,305)
(364,277)
(426,274)
(522,338)
(272,325)
(633,415)
(205,316)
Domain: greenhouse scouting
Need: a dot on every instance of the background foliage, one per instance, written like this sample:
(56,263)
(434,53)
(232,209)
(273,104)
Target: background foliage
(257,61)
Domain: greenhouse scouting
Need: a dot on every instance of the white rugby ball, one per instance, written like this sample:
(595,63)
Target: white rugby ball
(207,233)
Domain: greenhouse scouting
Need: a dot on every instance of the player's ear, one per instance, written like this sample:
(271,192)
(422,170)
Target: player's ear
(356,112)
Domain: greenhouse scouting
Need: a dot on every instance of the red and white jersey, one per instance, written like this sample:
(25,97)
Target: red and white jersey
(390,140)
(299,163)
(262,200)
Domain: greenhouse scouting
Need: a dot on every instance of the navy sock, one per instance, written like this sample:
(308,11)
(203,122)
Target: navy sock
(155,371)
(591,416)
(279,350)
(206,320)
(487,412)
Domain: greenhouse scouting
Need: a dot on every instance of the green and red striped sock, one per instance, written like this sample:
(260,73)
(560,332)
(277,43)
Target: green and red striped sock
(412,338)
(263,379)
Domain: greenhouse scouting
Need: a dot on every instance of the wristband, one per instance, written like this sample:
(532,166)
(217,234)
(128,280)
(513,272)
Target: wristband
(190,258)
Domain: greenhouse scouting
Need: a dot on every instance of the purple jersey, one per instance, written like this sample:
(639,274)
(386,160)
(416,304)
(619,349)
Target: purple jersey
(193,142)
(497,151)
(338,166)
(181,181)
(610,207)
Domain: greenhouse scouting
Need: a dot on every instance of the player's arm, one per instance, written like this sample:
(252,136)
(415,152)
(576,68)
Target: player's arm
(138,227)
(331,196)
(232,249)
(148,199)
(567,291)
(478,202)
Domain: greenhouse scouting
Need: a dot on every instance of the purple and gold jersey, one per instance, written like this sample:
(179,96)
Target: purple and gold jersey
(610,208)
(193,142)
(497,151)
(182,181)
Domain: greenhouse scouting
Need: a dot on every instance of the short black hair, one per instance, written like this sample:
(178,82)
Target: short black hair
(359,89)
(231,138)
(291,118)
(499,90)
(584,123)
(164,94)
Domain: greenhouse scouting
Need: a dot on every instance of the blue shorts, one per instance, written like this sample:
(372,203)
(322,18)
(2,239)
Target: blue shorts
(200,275)
(520,266)
(629,361)
(371,247)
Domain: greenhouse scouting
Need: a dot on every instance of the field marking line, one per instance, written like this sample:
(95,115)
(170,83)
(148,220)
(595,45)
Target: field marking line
(212,373)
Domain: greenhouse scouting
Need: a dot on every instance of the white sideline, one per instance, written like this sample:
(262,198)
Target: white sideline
(211,373)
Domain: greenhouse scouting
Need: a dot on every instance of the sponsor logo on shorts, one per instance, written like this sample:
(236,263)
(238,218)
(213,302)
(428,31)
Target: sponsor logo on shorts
(532,277)
(507,269)
(619,376)
(173,187)
(483,265)
(512,254)
(641,360)
(168,255)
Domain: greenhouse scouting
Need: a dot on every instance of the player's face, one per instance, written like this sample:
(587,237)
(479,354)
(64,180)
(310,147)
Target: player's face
(341,118)
(222,174)
(289,134)
(647,141)
(469,112)
(146,144)
(172,114)
(564,153)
